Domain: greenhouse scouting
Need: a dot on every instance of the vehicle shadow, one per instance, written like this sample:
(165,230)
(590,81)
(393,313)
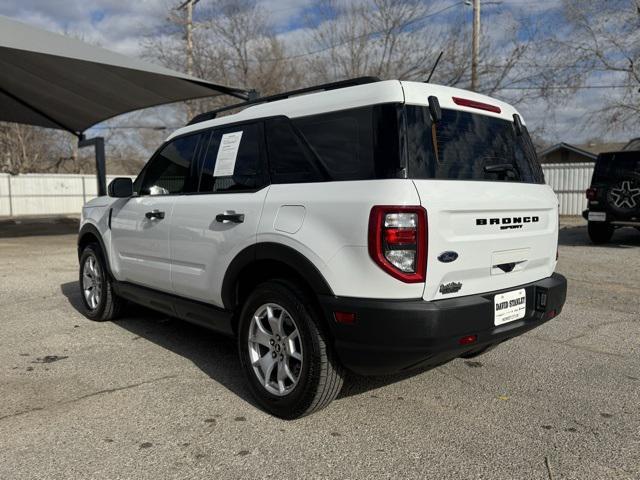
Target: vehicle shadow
(37,226)
(216,355)
(577,236)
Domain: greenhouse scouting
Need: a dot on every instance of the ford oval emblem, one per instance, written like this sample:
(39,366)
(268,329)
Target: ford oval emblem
(448,257)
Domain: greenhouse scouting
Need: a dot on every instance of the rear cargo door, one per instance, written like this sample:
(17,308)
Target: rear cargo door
(492,222)
(486,236)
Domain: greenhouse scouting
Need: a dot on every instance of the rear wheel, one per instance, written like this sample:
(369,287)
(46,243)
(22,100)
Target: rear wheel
(600,232)
(285,352)
(99,300)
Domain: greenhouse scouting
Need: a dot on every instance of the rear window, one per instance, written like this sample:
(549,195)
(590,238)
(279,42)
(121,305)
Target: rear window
(613,167)
(468,146)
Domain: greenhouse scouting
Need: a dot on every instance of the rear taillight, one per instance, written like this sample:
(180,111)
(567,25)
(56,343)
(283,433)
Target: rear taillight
(398,241)
(592,193)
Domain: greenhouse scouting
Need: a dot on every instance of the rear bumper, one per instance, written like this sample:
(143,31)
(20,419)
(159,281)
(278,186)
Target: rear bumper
(613,220)
(389,336)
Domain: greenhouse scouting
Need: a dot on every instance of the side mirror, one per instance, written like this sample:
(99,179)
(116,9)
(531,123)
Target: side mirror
(120,187)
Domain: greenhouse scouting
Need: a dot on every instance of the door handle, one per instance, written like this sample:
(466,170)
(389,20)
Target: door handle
(154,215)
(230,217)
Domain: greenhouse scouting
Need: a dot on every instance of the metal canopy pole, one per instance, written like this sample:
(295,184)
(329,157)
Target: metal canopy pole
(101,169)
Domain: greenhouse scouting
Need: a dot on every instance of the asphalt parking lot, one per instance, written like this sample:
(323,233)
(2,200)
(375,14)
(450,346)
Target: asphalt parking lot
(149,397)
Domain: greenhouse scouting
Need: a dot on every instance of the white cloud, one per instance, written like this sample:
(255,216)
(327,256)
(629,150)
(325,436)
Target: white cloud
(121,26)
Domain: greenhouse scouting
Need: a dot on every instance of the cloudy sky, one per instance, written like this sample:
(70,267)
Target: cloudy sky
(122,25)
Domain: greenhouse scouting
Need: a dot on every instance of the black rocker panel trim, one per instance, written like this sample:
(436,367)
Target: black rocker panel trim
(276,252)
(192,311)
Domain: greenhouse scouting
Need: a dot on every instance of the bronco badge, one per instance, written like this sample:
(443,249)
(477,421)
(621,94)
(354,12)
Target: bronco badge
(452,287)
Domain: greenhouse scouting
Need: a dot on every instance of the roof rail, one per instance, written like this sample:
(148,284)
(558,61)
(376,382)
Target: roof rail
(281,96)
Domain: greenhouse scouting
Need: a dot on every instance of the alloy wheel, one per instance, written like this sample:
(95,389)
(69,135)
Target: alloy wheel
(92,282)
(275,349)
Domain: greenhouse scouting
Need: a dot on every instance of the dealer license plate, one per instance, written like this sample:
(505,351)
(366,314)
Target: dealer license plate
(509,306)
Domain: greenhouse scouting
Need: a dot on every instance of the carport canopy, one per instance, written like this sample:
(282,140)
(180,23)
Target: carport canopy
(50,80)
(54,81)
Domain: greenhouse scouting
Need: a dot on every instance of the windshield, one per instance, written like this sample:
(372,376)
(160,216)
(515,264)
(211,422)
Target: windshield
(612,167)
(467,146)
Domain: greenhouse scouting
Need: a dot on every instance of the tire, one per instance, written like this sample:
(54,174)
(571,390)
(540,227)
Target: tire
(105,305)
(600,232)
(622,197)
(315,380)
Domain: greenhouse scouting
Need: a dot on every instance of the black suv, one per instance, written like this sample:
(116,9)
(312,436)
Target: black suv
(614,195)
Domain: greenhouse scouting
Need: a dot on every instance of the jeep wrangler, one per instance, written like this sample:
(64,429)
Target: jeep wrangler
(614,195)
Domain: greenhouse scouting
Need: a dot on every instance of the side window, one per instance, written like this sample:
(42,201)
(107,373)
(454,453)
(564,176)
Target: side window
(232,160)
(169,170)
(290,160)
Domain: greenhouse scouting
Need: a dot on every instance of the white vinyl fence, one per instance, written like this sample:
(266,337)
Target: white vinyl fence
(45,194)
(569,181)
(54,194)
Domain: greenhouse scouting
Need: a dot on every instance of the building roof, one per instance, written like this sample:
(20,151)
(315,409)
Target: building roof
(54,81)
(634,144)
(572,148)
(597,148)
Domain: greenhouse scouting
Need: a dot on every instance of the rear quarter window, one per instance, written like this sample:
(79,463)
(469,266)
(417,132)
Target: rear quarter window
(354,144)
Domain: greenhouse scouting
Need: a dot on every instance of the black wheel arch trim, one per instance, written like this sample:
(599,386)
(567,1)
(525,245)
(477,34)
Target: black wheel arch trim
(89,228)
(276,252)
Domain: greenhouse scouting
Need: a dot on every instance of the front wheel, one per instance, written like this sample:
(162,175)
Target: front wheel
(600,232)
(285,352)
(100,301)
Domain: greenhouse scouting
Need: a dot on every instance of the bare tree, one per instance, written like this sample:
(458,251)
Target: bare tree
(234,43)
(603,44)
(376,38)
(25,149)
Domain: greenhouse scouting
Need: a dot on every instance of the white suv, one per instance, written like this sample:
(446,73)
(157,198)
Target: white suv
(371,225)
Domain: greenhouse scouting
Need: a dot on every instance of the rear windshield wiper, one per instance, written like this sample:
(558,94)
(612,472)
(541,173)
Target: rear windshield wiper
(503,168)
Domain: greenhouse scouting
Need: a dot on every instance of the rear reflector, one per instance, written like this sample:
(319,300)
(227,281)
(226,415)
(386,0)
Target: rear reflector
(465,102)
(550,314)
(468,339)
(591,193)
(400,236)
(345,317)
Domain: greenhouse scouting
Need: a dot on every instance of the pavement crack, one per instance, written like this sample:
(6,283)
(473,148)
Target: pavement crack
(547,464)
(88,395)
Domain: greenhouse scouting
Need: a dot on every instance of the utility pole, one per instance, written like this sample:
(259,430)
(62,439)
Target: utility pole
(475,47)
(188,6)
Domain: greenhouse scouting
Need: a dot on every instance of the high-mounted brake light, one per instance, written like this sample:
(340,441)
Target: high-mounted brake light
(591,193)
(465,102)
(398,241)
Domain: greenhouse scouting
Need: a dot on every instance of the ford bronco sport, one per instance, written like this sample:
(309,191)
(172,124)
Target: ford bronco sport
(614,195)
(375,226)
